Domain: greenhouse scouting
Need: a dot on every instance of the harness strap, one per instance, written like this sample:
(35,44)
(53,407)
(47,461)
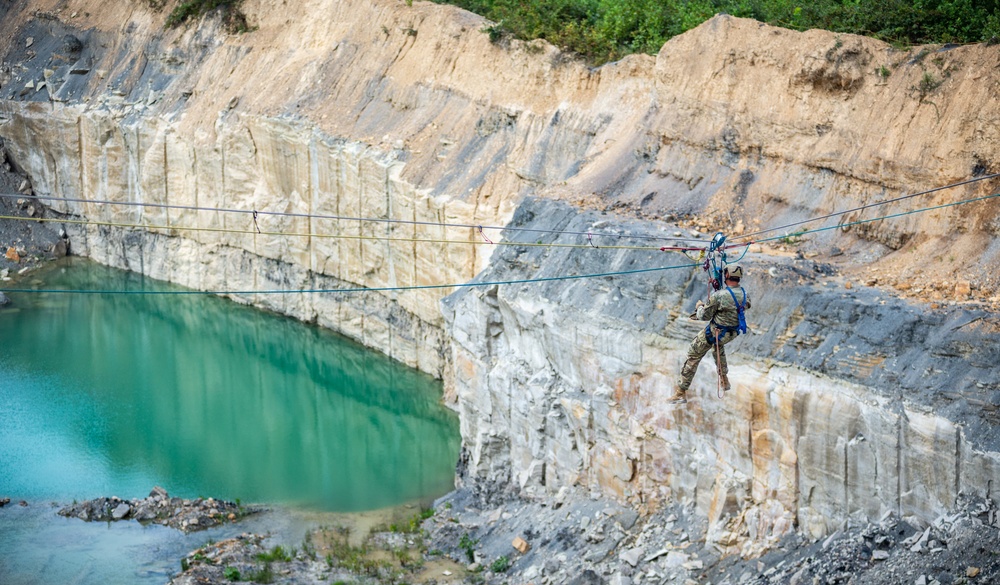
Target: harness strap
(723,330)
(726,329)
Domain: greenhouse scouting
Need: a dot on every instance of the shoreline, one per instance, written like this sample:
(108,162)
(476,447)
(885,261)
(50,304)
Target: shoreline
(39,540)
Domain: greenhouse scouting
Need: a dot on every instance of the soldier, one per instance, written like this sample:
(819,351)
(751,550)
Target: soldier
(725,314)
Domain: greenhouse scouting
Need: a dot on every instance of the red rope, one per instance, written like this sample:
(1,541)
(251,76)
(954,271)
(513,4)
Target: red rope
(718,366)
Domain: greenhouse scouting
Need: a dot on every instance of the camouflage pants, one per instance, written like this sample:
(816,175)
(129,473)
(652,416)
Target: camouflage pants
(700,345)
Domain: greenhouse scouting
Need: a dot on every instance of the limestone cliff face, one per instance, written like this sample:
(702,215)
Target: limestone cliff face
(565,383)
(332,113)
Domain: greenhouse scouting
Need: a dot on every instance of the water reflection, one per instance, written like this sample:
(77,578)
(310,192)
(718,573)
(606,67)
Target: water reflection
(112,394)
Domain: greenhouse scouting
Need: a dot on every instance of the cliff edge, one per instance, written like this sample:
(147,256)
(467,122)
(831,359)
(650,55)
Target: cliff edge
(386,151)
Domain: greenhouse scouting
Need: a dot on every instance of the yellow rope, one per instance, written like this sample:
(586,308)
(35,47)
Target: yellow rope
(315,235)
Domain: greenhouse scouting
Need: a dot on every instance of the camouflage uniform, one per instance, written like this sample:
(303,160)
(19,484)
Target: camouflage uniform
(720,311)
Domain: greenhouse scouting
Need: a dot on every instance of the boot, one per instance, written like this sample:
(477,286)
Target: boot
(678,397)
(724,379)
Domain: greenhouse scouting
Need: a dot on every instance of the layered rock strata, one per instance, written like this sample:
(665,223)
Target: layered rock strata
(328,148)
(847,403)
(373,110)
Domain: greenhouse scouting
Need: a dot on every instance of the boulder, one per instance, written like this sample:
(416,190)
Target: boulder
(72,45)
(632,556)
(521,545)
(121,510)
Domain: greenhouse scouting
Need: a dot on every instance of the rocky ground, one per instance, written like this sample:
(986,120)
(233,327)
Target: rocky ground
(578,540)
(23,244)
(160,508)
(596,542)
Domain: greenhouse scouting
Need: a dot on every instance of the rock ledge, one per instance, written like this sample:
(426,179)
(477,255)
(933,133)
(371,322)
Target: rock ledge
(160,508)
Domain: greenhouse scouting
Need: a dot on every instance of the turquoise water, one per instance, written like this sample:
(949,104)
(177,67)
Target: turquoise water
(105,395)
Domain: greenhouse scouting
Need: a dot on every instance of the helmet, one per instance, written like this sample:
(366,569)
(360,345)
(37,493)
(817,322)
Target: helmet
(734,271)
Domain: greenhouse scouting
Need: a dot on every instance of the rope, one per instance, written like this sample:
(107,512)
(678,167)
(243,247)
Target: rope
(350,290)
(256,213)
(257,231)
(860,221)
(469,284)
(718,367)
(876,204)
(335,217)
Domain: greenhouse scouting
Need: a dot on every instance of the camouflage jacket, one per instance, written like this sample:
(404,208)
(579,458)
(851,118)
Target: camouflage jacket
(721,310)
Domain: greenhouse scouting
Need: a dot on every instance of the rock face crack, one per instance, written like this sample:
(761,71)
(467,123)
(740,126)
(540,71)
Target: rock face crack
(384,131)
(816,449)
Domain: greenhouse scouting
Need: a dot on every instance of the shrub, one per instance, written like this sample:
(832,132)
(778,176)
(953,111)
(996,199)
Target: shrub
(278,553)
(500,565)
(468,544)
(233,17)
(606,30)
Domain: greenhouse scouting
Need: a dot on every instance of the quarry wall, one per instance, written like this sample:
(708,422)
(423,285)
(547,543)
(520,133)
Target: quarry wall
(256,162)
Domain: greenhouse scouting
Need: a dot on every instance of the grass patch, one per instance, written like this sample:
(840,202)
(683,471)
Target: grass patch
(412,525)
(278,553)
(265,575)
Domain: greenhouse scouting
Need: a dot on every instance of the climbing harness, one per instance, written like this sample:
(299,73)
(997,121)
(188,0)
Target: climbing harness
(715,331)
(740,310)
(715,264)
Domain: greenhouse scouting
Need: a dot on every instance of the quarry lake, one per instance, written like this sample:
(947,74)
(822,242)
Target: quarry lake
(111,394)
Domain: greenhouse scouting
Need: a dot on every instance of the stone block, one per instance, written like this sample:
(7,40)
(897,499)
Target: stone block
(928,465)
(520,545)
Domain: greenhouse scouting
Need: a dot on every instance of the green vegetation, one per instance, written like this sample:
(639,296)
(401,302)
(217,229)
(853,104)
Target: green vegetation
(606,30)
(500,565)
(233,17)
(792,238)
(265,575)
(928,83)
(412,525)
(468,544)
(231,574)
(357,559)
(278,553)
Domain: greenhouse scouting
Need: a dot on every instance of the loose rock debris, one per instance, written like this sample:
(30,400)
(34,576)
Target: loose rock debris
(160,508)
(574,539)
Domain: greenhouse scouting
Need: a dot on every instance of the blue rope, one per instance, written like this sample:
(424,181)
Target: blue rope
(345,290)
(488,283)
